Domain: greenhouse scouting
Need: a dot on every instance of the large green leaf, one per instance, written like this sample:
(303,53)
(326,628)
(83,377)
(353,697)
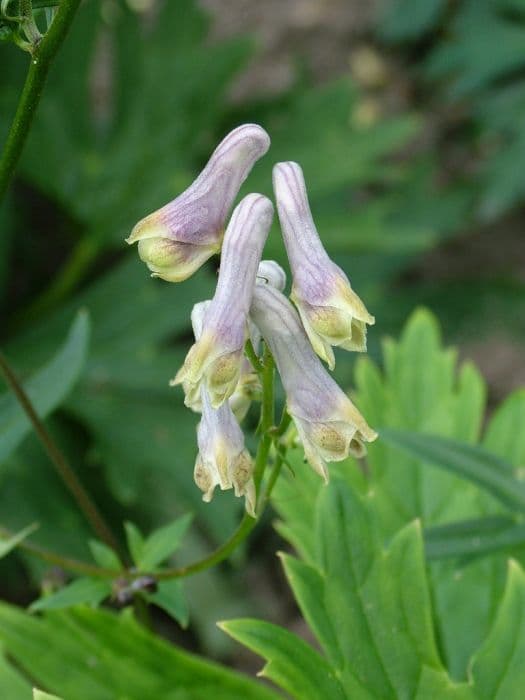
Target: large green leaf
(46,389)
(368,607)
(86,654)
(420,391)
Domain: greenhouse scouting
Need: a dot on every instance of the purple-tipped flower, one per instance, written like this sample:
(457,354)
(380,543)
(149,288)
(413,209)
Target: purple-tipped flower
(329,425)
(331,312)
(222,459)
(178,238)
(216,358)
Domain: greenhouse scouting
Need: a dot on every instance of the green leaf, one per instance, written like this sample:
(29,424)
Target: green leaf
(12,683)
(497,669)
(7,545)
(104,556)
(420,390)
(486,47)
(162,543)
(380,601)
(485,469)
(308,586)
(470,538)
(135,542)
(504,435)
(437,684)
(82,590)
(291,663)
(409,19)
(46,389)
(110,656)
(40,695)
(369,608)
(170,597)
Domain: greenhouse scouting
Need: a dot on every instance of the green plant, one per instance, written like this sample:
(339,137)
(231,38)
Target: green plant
(401,569)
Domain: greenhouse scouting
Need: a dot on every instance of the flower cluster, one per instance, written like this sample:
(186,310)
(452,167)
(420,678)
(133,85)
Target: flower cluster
(249,304)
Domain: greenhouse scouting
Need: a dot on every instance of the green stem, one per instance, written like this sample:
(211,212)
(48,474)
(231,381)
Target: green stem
(66,563)
(252,356)
(267,418)
(274,475)
(41,60)
(59,461)
(247,523)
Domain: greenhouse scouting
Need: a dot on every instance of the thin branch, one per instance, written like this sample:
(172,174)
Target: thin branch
(41,59)
(57,457)
(73,565)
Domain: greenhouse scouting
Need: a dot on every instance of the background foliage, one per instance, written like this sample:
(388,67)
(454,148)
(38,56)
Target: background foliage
(421,201)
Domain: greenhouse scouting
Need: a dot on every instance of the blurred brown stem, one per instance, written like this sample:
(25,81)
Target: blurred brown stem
(57,457)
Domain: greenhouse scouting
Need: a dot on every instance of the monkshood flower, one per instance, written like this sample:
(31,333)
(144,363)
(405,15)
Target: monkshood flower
(331,312)
(222,460)
(248,386)
(329,426)
(216,357)
(178,238)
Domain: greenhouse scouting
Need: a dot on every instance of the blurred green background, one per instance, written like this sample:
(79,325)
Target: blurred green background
(408,118)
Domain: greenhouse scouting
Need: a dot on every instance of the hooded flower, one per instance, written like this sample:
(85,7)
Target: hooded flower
(331,312)
(248,386)
(222,459)
(216,358)
(329,425)
(178,238)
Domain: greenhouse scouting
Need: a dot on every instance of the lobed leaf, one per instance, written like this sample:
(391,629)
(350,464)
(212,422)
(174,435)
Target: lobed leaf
(291,663)
(104,656)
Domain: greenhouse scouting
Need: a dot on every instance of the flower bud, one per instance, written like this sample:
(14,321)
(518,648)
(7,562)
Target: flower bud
(331,312)
(223,459)
(177,239)
(329,425)
(216,357)
(270,272)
